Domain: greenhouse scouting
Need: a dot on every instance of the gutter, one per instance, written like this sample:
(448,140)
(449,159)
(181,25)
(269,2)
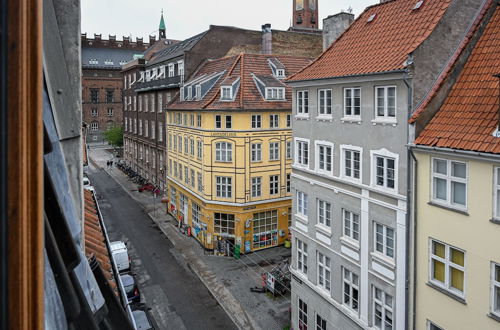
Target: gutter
(348,76)
(408,203)
(457,152)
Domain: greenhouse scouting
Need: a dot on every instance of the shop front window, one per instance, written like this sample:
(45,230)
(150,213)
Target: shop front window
(265,229)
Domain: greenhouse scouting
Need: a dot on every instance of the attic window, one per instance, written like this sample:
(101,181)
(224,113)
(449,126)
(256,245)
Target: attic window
(226,93)
(93,61)
(190,92)
(198,92)
(280,73)
(108,62)
(418,5)
(275,93)
(123,62)
(371,18)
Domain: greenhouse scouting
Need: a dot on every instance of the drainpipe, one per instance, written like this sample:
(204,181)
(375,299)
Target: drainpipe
(406,80)
(498,76)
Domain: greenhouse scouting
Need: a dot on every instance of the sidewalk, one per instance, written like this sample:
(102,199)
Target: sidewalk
(229,280)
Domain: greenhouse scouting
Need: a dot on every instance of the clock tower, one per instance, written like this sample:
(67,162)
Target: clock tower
(305,14)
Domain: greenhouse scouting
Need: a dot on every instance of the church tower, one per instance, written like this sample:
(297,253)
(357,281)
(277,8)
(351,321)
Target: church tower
(162,29)
(305,14)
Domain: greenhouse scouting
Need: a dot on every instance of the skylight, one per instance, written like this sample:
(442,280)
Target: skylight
(371,18)
(418,5)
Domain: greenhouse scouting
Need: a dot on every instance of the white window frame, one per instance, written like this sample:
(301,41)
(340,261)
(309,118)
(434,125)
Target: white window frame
(224,152)
(274,184)
(274,121)
(431,325)
(495,286)
(302,204)
(385,117)
(289,149)
(301,256)
(256,186)
(348,221)
(324,214)
(348,279)
(160,131)
(224,186)
(274,150)
(153,129)
(302,105)
(352,98)
(324,272)
(302,314)
(228,121)
(343,175)
(320,322)
(449,179)
(325,144)
(275,93)
(94,126)
(496,193)
(146,128)
(94,112)
(256,152)
(171,70)
(199,147)
(325,111)
(384,153)
(226,93)
(302,160)
(256,121)
(386,304)
(384,241)
(447,265)
(200,182)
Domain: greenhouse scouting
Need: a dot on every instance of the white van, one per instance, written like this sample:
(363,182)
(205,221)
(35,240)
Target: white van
(120,255)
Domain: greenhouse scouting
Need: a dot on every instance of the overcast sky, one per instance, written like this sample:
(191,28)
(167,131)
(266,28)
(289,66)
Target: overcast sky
(185,18)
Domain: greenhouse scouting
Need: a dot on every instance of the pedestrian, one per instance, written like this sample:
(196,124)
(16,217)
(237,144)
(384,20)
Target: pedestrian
(111,163)
(107,164)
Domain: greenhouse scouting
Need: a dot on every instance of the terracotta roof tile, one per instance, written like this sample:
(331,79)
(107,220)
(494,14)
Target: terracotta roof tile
(248,95)
(95,242)
(469,115)
(380,45)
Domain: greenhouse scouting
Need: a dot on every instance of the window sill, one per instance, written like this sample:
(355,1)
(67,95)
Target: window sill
(384,189)
(448,293)
(302,117)
(349,242)
(384,122)
(495,221)
(323,229)
(301,218)
(386,261)
(494,316)
(449,208)
(352,120)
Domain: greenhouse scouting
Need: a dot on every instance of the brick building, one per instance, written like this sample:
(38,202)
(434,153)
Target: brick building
(152,81)
(102,84)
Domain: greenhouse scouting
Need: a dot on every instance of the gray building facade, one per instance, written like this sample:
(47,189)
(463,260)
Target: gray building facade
(352,233)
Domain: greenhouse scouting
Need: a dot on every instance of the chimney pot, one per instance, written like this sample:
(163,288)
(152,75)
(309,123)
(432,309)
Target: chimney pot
(267,39)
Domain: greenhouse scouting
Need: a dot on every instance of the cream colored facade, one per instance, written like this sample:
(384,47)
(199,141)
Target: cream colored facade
(471,236)
(254,221)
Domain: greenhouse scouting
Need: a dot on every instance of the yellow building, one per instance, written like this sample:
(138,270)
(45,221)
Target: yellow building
(229,152)
(457,238)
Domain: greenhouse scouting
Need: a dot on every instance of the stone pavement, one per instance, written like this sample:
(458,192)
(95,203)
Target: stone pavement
(229,280)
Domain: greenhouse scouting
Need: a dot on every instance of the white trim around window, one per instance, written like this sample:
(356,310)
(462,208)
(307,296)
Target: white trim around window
(496,193)
(384,167)
(349,164)
(352,103)
(325,101)
(303,104)
(302,152)
(449,183)
(385,104)
(495,289)
(324,157)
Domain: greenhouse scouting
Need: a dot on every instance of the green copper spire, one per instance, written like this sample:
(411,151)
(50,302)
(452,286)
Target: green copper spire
(162,22)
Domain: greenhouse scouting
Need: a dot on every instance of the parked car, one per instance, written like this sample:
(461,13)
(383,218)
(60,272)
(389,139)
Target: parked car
(142,320)
(119,252)
(131,289)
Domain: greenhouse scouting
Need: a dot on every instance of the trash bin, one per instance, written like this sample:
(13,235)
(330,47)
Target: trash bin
(236,252)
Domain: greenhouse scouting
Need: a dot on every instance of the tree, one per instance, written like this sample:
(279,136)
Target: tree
(114,136)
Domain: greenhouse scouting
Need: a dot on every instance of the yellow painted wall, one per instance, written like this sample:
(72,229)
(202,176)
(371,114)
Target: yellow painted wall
(473,233)
(240,169)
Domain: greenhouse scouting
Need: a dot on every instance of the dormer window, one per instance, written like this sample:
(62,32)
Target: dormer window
(108,62)
(182,94)
(171,70)
(198,92)
(275,93)
(280,73)
(190,92)
(226,93)
(93,61)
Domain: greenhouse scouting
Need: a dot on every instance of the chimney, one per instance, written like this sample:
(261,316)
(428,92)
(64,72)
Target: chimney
(334,26)
(267,39)
(97,37)
(138,41)
(152,40)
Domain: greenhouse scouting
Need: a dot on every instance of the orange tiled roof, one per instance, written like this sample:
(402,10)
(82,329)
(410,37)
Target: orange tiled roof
(469,115)
(95,242)
(381,45)
(248,96)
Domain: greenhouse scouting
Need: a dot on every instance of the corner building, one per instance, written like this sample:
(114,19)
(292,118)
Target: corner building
(229,152)
(349,183)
